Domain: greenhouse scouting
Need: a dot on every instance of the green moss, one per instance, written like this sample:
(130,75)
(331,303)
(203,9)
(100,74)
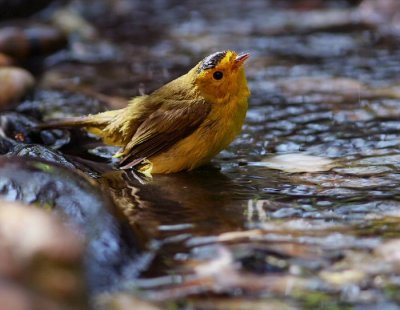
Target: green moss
(391,291)
(43,167)
(387,227)
(47,206)
(321,300)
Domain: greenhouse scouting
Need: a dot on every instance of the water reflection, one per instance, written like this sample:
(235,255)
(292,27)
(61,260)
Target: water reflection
(205,197)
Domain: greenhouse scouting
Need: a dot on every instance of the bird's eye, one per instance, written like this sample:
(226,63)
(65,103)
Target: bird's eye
(218,75)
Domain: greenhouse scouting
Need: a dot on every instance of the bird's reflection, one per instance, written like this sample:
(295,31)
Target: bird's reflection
(205,198)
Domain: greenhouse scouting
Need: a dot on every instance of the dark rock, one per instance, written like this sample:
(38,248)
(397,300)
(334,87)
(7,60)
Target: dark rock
(113,247)
(6,145)
(41,152)
(21,129)
(93,169)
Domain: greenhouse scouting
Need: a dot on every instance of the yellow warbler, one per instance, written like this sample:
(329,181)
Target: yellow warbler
(180,126)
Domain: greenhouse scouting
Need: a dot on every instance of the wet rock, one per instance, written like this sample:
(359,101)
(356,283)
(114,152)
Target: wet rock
(93,169)
(6,145)
(112,246)
(54,138)
(40,260)
(17,127)
(21,129)
(260,261)
(104,151)
(20,137)
(41,152)
(25,41)
(15,83)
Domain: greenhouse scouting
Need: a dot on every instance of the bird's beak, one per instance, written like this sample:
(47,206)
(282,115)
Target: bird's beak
(240,59)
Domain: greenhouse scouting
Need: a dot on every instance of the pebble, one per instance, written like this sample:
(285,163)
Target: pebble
(15,83)
(40,255)
(123,301)
(23,42)
(6,60)
(389,251)
(343,278)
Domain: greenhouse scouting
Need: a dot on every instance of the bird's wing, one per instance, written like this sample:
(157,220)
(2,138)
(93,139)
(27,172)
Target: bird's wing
(162,129)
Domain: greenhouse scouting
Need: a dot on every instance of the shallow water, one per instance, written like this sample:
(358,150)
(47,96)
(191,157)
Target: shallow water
(238,230)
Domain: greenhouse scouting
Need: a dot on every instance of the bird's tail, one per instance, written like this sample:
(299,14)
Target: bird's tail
(80,121)
(92,123)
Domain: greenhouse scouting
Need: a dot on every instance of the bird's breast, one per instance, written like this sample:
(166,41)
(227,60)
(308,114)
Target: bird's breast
(217,131)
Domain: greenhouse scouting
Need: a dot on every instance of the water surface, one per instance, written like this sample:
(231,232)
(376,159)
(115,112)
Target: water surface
(237,232)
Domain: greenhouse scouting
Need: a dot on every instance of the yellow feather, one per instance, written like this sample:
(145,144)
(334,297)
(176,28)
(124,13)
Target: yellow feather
(183,124)
(223,124)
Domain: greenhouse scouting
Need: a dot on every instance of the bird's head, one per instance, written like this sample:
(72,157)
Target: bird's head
(220,76)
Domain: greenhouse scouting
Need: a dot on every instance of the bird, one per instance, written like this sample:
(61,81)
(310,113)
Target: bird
(180,126)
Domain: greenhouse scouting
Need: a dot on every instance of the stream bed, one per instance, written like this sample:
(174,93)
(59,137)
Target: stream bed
(301,211)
